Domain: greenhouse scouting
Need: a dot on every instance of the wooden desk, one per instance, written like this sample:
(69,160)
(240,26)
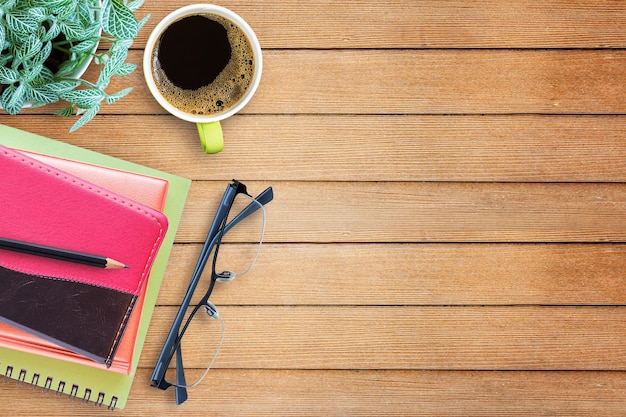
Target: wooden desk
(447,236)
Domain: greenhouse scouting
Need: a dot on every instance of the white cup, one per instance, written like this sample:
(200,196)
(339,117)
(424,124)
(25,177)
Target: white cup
(209,128)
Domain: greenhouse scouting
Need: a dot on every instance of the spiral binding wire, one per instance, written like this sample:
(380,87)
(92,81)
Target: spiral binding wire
(20,379)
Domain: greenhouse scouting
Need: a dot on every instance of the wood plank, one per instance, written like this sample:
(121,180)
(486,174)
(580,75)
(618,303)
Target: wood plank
(404,337)
(423,212)
(408,274)
(340,393)
(436,82)
(417,393)
(420,82)
(529,148)
(424,24)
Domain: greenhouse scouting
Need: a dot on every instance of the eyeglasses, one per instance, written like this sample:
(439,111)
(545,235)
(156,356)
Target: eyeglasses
(196,321)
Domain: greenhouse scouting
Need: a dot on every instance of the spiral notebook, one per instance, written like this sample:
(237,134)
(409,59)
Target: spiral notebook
(79,307)
(74,379)
(147,190)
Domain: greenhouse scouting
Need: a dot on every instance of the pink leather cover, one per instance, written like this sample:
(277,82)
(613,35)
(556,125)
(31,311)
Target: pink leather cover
(42,204)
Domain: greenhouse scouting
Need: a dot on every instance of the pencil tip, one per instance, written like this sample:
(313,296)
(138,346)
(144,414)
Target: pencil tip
(112,263)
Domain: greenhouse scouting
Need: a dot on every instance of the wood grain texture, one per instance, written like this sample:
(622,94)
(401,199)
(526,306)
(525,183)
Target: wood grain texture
(421,81)
(360,393)
(345,212)
(413,274)
(505,148)
(425,24)
(404,337)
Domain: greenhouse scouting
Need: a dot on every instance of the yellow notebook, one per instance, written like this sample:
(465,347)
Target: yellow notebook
(102,386)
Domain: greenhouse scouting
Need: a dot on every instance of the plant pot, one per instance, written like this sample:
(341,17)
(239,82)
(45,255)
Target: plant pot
(31,34)
(75,75)
(55,61)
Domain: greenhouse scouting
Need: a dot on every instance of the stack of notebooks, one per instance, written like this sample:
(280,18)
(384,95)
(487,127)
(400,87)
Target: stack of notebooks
(67,327)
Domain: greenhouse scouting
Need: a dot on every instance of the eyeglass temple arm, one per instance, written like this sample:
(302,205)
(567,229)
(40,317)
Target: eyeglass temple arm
(265,197)
(170,342)
(180,390)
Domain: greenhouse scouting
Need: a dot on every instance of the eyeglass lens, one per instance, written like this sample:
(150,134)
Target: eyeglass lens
(240,247)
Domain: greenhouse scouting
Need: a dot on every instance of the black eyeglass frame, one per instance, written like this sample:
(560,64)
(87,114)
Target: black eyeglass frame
(219,227)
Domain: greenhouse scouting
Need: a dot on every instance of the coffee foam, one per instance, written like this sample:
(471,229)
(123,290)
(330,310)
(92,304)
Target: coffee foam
(226,90)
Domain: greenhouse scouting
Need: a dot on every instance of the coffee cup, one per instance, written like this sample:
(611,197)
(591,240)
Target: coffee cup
(203,63)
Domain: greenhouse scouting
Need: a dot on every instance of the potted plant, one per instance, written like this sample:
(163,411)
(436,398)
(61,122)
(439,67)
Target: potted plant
(45,46)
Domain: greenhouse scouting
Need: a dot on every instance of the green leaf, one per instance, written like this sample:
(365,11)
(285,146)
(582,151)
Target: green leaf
(89,114)
(13,39)
(84,99)
(114,62)
(43,54)
(85,13)
(38,13)
(42,79)
(5,60)
(123,43)
(65,111)
(8,75)
(8,4)
(53,31)
(118,20)
(30,73)
(84,47)
(65,10)
(73,31)
(29,48)
(52,4)
(41,96)
(21,23)
(69,67)
(13,98)
(142,22)
(135,4)
(125,69)
(2,36)
(62,87)
(112,98)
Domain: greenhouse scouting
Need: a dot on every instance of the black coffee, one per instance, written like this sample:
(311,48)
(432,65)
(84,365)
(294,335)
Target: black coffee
(203,64)
(194,51)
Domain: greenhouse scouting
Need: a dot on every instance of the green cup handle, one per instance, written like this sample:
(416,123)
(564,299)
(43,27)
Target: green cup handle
(211,137)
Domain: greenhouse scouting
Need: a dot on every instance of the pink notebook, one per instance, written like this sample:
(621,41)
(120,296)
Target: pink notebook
(81,308)
(147,190)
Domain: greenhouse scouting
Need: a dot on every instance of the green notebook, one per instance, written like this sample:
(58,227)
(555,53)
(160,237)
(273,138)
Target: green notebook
(100,386)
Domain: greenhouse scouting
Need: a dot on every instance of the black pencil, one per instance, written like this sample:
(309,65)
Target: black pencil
(60,254)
